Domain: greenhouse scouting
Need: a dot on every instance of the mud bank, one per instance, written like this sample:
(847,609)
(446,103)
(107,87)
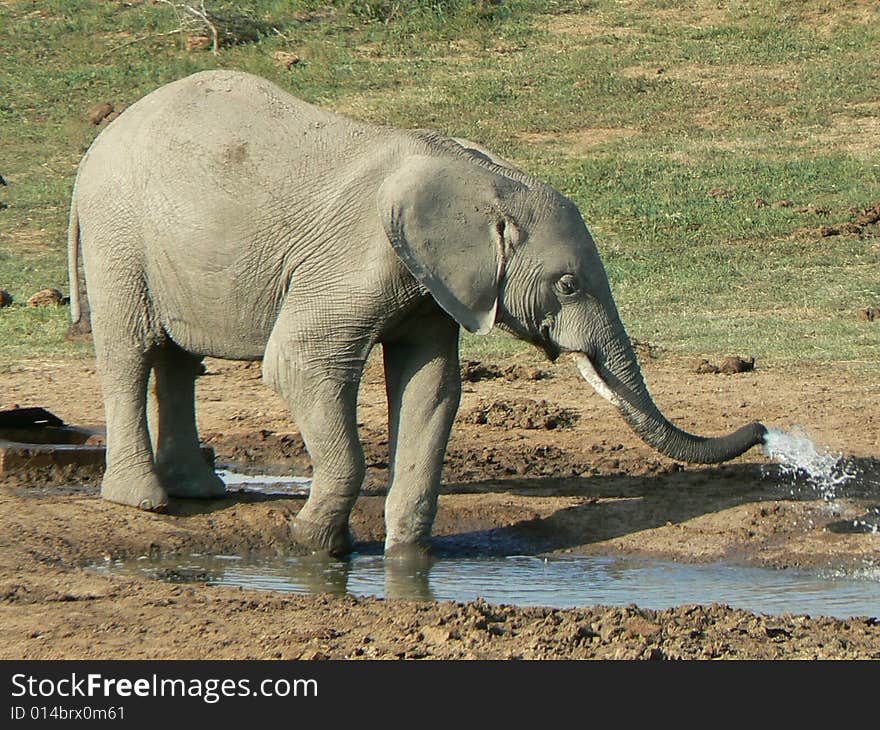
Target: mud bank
(537,464)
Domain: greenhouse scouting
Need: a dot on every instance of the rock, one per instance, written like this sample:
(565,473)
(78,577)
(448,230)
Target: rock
(640,626)
(735,364)
(436,634)
(5,298)
(284,59)
(313,655)
(99,112)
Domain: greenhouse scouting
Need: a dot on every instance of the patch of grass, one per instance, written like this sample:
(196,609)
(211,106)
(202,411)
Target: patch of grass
(37,332)
(495,345)
(669,123)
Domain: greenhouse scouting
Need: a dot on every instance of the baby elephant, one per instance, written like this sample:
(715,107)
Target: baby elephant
(220,216)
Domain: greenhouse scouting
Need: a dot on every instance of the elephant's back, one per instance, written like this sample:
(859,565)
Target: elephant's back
(216,187)
(228,99)
(214,118)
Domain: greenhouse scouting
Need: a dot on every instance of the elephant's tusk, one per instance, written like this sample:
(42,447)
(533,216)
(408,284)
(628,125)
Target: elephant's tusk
(588,371)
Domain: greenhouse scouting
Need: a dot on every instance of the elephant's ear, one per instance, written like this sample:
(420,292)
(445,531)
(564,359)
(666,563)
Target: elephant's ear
(445,220)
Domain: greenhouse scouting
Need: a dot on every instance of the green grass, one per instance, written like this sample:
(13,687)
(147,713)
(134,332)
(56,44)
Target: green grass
(665,121)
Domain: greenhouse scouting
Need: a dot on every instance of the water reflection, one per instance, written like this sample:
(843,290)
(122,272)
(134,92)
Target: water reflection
(320,574)
(560,582)
(409,579)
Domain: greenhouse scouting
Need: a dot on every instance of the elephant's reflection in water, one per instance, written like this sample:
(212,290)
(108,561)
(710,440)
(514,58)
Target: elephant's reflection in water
(408,579)
(319,573)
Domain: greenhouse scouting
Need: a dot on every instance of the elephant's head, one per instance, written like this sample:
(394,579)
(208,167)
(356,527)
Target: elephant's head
(497,247)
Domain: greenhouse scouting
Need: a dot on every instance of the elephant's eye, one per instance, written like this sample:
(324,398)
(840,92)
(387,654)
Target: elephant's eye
(568,284)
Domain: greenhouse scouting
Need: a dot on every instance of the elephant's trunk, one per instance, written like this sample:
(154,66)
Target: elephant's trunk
(618,378)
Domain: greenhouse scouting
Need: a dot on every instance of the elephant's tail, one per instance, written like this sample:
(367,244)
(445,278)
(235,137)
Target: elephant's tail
(73,262)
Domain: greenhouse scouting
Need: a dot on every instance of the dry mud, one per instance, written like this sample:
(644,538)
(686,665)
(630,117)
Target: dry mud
(537,464)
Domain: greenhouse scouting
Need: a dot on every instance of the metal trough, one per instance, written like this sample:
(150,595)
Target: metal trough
(35,438)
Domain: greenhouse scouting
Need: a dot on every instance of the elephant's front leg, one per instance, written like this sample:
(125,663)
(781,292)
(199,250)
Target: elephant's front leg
(424,387)
(315,364)
(325,409)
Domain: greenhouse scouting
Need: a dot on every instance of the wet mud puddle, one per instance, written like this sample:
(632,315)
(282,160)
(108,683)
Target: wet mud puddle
(554,581)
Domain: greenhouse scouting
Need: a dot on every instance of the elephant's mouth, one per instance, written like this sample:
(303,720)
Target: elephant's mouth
(547,345)
(591,375)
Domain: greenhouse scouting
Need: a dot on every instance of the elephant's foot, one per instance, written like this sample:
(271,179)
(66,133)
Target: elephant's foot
(410,553)
(141,490)
(191,481)
(407,532)
(330,538)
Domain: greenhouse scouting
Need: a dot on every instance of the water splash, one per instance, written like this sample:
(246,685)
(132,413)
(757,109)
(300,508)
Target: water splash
(802,461)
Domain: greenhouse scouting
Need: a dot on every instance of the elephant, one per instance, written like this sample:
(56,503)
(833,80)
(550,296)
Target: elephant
(221,216)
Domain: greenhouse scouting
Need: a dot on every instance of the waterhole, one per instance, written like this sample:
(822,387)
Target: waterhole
(561,581)
(554,581)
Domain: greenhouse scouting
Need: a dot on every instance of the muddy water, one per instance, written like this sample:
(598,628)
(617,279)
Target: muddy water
(560,582)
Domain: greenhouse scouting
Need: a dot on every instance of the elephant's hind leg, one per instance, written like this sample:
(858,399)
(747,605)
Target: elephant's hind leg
(181,467)
(129,477)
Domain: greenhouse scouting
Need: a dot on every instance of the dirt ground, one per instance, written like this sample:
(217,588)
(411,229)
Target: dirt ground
(538,463)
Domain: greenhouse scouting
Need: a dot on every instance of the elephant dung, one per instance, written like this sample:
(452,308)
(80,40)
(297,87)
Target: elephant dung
(735,364)
(729,365)
(285,59)
(868,314)
(704,367)
(99,112)
(526,413)
(869,215)
(5,298)
(198,42)
(473,371)
(46,298)
(524,372)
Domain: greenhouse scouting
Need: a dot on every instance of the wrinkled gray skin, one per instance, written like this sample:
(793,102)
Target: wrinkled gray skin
(220,216)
